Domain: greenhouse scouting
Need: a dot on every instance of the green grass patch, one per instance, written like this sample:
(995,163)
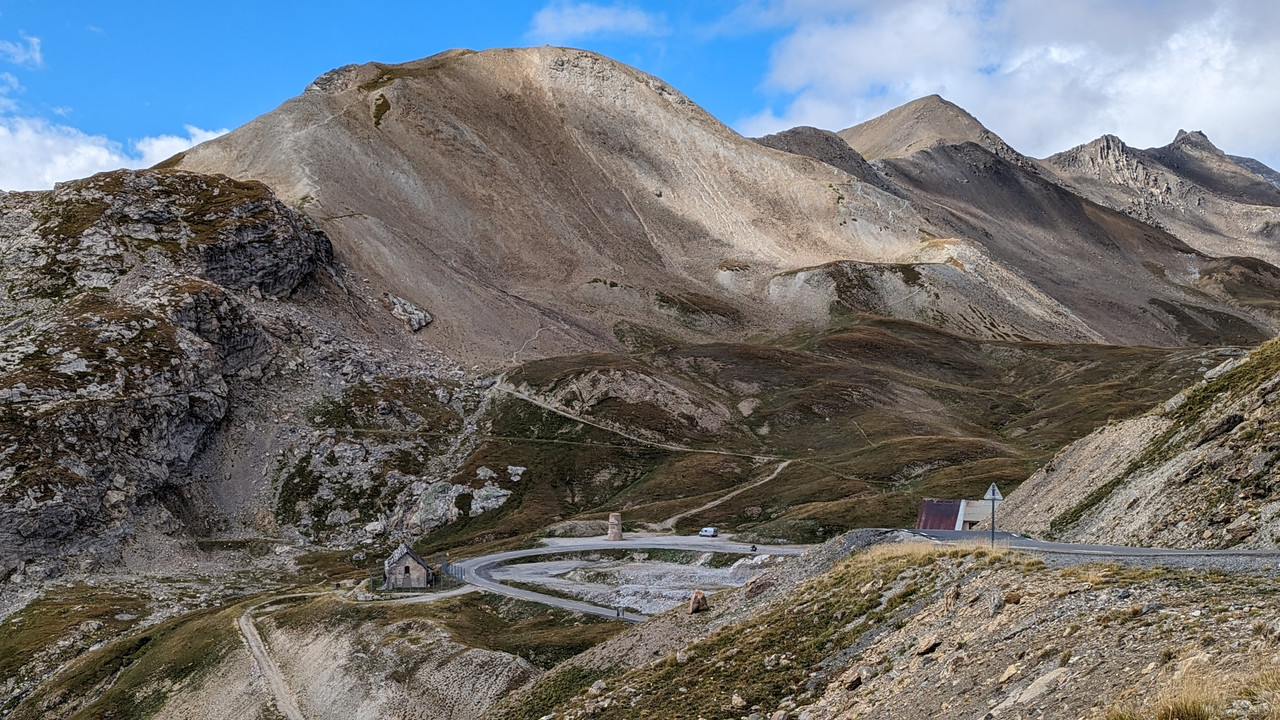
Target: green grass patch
(380,107)
(81,614)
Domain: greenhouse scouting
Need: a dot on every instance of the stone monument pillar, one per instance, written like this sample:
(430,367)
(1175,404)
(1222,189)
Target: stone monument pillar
(615,526)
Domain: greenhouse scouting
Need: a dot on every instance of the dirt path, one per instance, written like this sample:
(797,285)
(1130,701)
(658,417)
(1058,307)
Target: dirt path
(284,699)
(671,521)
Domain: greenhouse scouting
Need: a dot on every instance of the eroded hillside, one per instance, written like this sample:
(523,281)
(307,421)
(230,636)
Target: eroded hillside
(1196,472)
(538,201)
(532,198)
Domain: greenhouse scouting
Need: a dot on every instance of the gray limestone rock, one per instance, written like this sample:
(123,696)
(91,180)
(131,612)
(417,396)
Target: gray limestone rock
(413,317)
(119,327)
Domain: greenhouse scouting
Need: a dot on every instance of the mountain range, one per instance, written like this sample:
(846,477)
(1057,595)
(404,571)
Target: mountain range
(465,300)
(522,238)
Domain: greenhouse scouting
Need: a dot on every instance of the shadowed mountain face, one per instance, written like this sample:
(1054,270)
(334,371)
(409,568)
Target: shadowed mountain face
(828,147)
(1086,257)
(1257,168)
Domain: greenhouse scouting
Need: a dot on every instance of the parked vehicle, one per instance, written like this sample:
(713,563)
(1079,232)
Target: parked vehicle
(709,532)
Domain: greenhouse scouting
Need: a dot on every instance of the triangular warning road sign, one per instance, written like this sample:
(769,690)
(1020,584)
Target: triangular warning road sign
(993,493)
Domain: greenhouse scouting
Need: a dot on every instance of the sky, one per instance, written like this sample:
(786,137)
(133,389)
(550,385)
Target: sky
(92,86)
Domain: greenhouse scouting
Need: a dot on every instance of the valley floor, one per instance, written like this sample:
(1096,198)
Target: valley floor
(873,624)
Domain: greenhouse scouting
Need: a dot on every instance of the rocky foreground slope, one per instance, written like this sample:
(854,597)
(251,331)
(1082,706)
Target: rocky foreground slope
(1197,472)
(907,629)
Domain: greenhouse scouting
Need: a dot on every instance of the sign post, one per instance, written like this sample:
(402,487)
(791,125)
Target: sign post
(993,494)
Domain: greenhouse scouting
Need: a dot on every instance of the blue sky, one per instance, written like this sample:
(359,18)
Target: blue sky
(86,86)
(130,70)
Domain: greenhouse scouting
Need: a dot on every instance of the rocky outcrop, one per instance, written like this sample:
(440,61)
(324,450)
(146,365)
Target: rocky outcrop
(413,317)
(214,315)
(119,327)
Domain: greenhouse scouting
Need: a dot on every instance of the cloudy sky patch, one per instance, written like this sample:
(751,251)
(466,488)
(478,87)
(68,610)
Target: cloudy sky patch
(23,52)
(118,86)
(38,153)
(563,22)
(1044,76)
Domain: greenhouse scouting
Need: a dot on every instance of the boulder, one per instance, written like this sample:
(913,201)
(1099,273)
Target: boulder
(413,317)
(698,603)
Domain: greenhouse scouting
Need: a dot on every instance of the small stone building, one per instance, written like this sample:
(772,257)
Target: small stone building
(404,569)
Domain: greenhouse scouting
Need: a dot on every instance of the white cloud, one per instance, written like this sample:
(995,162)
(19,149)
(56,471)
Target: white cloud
(562,21)
(25,52)
(152,150)
(1045,76)
(8,84)
(35,154)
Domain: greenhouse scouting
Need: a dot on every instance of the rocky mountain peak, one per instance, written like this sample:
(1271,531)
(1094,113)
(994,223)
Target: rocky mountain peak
(1194,157)
(1194,139)
(920,125)
(1107,150)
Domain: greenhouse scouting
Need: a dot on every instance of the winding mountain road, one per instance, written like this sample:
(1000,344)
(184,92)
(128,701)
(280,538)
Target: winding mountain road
(478,570)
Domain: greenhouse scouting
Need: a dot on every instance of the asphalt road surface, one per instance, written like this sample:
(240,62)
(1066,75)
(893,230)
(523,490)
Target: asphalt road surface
(1017,542)
(478,570)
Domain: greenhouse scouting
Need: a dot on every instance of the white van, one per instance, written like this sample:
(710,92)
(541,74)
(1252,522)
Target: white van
(708,532)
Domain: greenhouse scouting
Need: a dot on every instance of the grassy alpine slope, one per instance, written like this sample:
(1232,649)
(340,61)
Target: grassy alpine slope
(874,415)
